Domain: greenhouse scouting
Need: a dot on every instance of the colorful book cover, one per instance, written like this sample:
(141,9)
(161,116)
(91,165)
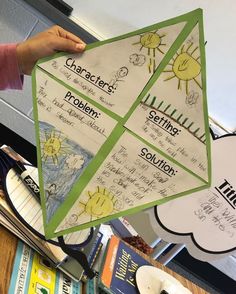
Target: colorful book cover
(120,265)
(33,274)
(123,126)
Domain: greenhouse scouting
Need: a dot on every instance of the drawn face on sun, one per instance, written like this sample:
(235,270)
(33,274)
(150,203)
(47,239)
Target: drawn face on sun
(100,204)
(53,147)
(152,41)
(185,67)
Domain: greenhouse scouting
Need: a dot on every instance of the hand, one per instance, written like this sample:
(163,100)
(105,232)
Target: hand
(45,44)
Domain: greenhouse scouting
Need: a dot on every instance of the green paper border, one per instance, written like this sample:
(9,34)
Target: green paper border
(181,18)
(40,172)
(191,19)
(129,211)
(204,92)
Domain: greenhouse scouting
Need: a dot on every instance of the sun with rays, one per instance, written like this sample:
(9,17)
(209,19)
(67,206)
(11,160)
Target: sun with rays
(185,67)
(152,41)
(100,204)
(53,146)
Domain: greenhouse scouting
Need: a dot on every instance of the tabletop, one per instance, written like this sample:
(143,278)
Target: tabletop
(8,244)
(185,282)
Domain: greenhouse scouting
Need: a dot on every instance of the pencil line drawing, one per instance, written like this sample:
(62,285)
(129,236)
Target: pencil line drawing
(118,77)
(171,112)
(137,59)
(192,99)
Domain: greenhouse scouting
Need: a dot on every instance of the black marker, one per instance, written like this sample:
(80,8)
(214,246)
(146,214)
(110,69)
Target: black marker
(23,173)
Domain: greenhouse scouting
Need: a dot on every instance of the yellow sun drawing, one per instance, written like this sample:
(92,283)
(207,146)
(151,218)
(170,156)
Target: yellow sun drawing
(152,41)
(185,67)
(53,146)
(100,203)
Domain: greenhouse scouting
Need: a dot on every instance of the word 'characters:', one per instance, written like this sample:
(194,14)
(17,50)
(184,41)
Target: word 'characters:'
(85,74)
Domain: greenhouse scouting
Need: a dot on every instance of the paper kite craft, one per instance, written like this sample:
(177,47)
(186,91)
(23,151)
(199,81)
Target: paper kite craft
(123,126)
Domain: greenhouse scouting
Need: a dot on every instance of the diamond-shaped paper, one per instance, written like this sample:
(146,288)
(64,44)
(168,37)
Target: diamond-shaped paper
(123,126)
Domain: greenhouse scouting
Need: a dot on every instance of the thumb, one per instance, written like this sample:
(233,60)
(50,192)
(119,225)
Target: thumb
(62,44)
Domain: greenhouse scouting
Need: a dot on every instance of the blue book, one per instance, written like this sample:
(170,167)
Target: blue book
(119,268)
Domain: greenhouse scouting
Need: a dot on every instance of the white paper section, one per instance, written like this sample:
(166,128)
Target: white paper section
(109,73)
(173,118)
(132,175)
(209,215)
(72,115)
(172,138)
(71,132)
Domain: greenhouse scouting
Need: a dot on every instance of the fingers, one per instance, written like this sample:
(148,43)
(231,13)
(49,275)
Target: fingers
(65,34)
(47,43)
(59,31)
(62,44)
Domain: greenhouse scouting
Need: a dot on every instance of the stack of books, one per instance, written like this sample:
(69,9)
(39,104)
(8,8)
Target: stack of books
(54,254)
(11,222)
(126,270)
(38,276)
(117,273)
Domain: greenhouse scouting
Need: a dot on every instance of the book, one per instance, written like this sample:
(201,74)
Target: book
(72,268)
(27,218)
(121,262)
(91,286)
(33,273)
(95,250)
(123,227)
(123,126)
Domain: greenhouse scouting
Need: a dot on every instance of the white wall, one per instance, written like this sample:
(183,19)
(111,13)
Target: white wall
(110,18)
(106,19)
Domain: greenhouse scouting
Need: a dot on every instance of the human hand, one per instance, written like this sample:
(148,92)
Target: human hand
(45,44)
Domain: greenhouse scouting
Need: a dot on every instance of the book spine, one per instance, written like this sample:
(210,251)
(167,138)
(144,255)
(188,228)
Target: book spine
(97,245)
(93,258)
(123,227)
(105,290)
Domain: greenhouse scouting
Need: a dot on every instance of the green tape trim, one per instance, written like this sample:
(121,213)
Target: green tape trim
(205,107)
(191,19)
(128,211)
(40,171)
(86,98)
(84,179)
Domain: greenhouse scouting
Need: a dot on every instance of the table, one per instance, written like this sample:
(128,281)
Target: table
(8,244)
(186,283)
